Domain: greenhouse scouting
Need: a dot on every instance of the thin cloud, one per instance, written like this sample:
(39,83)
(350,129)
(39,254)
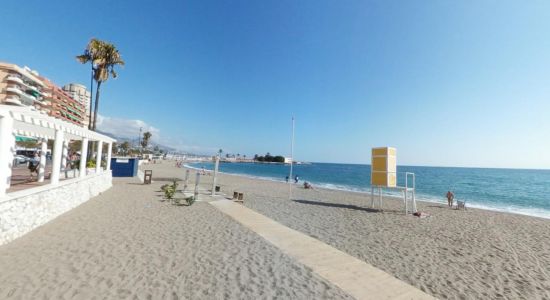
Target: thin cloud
(126,128)
(129,129)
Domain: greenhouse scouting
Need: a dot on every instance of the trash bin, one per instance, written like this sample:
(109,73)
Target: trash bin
(124,166)
(148,177)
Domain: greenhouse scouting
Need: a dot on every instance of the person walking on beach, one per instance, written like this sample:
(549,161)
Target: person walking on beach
(286,178)
(33,164)
(296,178)
(450,198)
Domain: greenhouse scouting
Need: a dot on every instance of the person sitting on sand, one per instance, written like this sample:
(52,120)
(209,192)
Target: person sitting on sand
(307,185)
(450,198)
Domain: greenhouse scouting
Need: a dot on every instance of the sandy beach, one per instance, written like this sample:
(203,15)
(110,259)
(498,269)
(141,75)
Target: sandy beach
(473,254)
(126,244)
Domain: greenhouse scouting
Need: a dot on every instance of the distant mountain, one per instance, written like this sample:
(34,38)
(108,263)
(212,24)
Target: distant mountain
(135,142)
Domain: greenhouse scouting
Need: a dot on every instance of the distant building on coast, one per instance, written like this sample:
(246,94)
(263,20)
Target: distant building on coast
(81,94)
(22,86)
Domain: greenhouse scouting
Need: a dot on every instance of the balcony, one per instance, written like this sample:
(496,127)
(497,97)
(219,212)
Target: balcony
(27,99)
(33,92)
(13,101)
(14,89)
(14,78)
(33,88)
(30,86)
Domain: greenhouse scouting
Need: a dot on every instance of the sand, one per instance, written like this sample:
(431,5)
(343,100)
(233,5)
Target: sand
(126,243)
(473,254)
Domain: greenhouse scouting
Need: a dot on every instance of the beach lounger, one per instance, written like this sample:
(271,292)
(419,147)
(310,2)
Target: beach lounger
(461,204)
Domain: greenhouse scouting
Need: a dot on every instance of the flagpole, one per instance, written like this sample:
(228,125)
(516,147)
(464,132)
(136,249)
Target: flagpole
(291,162)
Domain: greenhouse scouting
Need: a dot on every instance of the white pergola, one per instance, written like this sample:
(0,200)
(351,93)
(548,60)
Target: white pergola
(25,121)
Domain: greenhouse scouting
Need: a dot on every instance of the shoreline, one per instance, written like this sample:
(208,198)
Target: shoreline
(420,198)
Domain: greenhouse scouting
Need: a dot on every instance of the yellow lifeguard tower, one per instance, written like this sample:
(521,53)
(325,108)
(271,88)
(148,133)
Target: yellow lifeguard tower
(384,167)
(384,175)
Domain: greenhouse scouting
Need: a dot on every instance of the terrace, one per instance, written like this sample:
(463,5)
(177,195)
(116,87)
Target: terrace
(26,204)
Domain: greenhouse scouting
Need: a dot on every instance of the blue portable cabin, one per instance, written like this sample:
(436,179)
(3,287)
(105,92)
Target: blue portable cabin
(124,166)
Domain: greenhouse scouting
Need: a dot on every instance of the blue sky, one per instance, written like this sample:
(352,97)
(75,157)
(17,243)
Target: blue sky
(449,83)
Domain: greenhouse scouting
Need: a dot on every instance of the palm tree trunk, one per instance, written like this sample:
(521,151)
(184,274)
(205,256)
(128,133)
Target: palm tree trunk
(96,105)
(95,112)
(91,92)
(90,143)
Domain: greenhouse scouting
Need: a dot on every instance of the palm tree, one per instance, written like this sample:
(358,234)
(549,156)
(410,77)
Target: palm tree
(146,137)
(103,56)
(220,152)
(125,147)
(91,54)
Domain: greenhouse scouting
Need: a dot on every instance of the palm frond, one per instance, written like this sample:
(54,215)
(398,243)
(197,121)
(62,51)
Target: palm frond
(84,58)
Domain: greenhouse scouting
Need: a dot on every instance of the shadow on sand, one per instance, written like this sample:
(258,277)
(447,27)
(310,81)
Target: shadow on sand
(338,205)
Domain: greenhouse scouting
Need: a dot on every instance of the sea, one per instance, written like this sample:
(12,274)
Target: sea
(519,191)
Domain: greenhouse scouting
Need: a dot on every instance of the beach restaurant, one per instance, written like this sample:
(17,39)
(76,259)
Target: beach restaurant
(54,192)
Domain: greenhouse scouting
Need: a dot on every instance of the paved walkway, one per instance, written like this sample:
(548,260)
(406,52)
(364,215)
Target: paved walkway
(352,275)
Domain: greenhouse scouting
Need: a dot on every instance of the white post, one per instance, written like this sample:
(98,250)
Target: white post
(379,197)
(406,188)
(57,152)
(64,155)
(413,193)
(42,167)
(372,196)
(7,144)
(83,157)
(109,150)
(186,181)
(98,158)
(217,164)
(197,181)
(291,162)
